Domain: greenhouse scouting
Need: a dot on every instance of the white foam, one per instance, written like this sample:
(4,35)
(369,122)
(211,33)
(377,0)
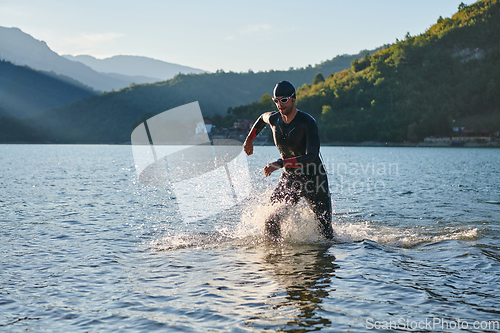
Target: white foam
(300,225)
(398,237)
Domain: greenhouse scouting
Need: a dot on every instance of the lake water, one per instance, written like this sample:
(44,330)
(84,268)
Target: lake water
(84,246)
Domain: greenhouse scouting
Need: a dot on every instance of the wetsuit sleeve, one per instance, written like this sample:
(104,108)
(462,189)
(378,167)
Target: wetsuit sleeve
(312,148)
(259,125)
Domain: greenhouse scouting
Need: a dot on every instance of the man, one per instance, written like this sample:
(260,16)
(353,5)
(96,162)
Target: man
(296,137)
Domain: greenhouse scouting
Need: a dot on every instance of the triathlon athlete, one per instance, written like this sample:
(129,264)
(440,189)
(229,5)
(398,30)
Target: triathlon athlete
(296,136)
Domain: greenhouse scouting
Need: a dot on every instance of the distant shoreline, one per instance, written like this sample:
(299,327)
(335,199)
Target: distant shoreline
(493,144)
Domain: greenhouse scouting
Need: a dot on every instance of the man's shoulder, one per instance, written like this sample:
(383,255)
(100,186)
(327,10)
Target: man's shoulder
(273,116)
(305,116)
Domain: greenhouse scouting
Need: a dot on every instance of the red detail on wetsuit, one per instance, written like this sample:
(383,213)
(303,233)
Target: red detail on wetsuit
(291,163)
(252,134)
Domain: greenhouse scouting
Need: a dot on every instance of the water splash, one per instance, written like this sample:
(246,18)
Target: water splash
(399,237)
(299,225)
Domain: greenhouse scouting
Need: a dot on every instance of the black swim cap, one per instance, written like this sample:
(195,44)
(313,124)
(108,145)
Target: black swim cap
(284,89)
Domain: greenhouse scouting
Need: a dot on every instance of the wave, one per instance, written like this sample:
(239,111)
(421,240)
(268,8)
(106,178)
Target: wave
(300,226)
(400,237)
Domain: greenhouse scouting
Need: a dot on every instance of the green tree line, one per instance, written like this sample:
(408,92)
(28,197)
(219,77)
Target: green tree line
(420,86)
(108,117)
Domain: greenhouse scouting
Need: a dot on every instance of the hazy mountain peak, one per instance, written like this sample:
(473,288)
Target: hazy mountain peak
(22,49)
(101,74)
(133,65)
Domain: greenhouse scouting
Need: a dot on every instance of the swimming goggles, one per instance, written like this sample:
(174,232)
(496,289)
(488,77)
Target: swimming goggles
(283,100)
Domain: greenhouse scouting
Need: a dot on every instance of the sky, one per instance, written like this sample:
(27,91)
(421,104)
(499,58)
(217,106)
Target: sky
(223,35)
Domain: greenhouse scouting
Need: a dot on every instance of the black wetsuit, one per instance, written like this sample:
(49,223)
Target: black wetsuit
(304,175)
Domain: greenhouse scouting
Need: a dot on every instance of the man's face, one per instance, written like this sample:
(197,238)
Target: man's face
(284,108)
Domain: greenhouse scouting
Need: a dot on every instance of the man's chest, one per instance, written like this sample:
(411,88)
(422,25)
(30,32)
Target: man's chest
(289,135)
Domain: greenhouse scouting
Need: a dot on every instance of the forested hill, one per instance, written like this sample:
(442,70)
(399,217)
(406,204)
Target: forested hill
(422,86)
(25,91)
(108,117)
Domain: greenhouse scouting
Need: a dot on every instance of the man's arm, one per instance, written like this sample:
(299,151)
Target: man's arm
(256,128)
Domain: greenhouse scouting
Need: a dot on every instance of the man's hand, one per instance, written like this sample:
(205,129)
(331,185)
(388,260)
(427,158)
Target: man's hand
(248,147)
(270,168)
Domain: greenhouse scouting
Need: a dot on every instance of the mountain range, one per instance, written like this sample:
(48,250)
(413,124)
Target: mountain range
(415,88)
(108,117)
(109,74)
(144,69)
(85,120)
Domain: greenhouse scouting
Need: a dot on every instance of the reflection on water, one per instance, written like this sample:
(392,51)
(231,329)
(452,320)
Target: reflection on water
(305,272)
